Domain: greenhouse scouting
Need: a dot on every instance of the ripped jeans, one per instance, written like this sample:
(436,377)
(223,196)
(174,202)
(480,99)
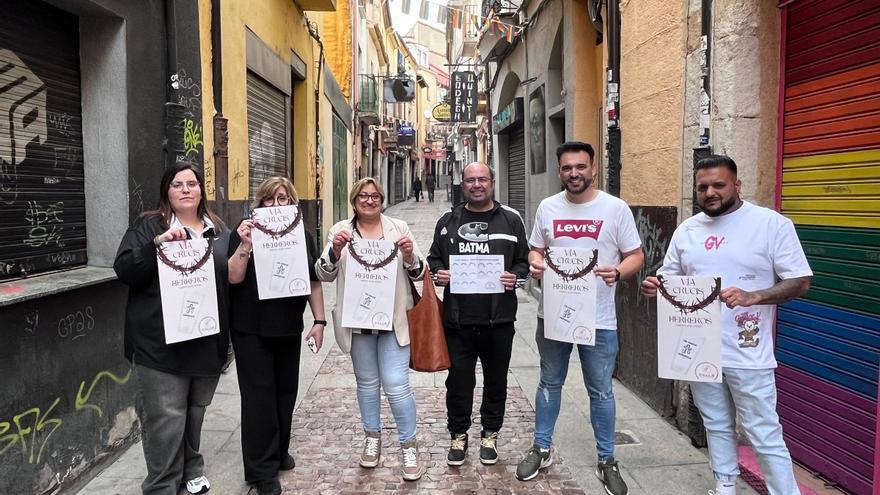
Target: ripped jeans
(597,366)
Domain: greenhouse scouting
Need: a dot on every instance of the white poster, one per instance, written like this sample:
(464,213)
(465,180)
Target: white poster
(370,281)
(689,329)
(280,257)
(188,289)
(569,290)
(476,273)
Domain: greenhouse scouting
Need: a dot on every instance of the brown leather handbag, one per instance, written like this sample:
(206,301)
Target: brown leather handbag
(428,351)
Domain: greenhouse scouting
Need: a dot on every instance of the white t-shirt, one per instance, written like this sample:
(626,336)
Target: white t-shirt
(749,248)
(606,223)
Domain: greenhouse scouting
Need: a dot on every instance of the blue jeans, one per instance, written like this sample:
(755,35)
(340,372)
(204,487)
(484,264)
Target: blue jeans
(752,394)
(380,362)
(597,366)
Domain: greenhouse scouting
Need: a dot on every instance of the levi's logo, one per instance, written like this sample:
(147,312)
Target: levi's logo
(577,228)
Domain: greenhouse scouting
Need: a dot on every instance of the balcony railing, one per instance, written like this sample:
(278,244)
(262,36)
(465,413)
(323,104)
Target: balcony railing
(369,94)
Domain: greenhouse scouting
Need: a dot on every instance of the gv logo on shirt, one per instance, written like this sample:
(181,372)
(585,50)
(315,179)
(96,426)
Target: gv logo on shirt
(577,228)
(713,242)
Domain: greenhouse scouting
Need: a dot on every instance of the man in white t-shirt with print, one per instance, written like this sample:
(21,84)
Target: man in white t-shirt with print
(759,258)
(584,217)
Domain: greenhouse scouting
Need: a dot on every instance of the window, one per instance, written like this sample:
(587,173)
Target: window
(424,10)
(441,15)
(405,7)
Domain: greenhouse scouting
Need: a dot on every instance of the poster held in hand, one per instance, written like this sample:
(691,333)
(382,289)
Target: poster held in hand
(689,329)
(476,273)
(570,295)
(370,279)
(188,289)
(280,256)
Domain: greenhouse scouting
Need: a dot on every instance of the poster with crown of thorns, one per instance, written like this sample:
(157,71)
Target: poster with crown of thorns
(689,328)
(570,295)
(188,289)
(280,258)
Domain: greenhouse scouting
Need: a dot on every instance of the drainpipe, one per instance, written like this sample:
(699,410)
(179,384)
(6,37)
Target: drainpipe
(221,125)
(174,111)
(314,34)
(612,99)
(704,149)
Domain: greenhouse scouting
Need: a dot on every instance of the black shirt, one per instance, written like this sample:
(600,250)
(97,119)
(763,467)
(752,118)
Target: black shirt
(474,229)
(281,317)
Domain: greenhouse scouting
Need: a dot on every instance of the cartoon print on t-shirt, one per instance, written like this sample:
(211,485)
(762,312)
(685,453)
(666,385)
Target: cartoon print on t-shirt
(748,336)
(476,237)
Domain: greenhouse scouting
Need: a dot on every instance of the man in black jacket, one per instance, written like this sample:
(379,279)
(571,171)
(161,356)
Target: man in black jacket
(479,325)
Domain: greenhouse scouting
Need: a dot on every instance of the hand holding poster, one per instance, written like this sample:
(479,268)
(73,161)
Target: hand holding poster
(476,273)
(188,289)
(570,295)
(280,257)
(370,279)
(689,328)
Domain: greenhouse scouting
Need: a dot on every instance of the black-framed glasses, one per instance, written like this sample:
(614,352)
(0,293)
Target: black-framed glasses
(364,197)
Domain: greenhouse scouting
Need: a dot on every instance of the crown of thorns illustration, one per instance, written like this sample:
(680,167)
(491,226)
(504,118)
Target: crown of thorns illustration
(275,234)
(571,275)
(368,265)
(690,308)
(186,270)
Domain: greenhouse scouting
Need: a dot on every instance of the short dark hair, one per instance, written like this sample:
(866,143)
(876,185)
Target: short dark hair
(713,161)
(574,147)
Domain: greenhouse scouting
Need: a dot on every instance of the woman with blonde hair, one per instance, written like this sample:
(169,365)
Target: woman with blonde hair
(266,337)
(380,358)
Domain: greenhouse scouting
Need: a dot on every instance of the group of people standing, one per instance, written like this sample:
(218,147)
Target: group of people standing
(176,382)
(430,185)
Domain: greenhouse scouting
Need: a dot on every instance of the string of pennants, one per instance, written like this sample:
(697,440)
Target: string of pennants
(461,18)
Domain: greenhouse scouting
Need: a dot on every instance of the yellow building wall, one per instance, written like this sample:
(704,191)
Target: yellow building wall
(336,33)
(651,106)
(280,26)
(588,87)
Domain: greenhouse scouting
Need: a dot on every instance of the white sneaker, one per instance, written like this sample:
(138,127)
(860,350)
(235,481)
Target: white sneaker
(724,488)
(198,485)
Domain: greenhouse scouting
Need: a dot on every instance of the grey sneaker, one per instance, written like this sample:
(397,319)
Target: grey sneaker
(457,450)
(488,452)
(372,449)
(412,468)
(198,485)
(535,460)
(609,475)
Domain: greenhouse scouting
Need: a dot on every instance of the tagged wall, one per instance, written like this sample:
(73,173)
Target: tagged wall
(62,402)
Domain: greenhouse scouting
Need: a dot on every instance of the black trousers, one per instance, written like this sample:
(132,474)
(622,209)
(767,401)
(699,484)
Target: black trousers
(430,195)
(492,345)
(268,378)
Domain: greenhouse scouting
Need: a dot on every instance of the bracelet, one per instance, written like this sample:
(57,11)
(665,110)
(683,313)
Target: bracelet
(320,322)
(616,275)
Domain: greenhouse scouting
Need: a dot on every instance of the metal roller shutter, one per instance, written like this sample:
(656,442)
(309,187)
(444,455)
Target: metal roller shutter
(399,188)
(516,168)
(828,341)
(267,132)
(42,197)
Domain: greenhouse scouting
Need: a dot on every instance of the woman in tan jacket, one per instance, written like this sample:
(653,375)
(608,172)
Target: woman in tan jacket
(380,358)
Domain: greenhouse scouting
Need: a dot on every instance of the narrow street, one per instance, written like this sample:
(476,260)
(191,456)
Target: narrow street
(655,458)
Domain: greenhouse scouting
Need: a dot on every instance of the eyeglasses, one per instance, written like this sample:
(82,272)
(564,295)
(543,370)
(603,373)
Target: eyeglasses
(473,180)
(281,199)
(364,197)
(190,184)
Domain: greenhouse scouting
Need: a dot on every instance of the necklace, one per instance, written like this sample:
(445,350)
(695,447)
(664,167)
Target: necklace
(186,270)
(690,308)
(275,234)
(366,264)
(571,275)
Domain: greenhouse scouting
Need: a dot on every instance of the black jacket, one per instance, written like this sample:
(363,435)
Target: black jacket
(136,266)
(503,220)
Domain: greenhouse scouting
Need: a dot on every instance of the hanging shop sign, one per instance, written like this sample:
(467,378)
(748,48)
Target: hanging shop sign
(442,112)
(464,96)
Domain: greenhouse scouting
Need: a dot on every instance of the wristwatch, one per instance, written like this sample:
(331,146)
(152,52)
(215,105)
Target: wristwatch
(320,322)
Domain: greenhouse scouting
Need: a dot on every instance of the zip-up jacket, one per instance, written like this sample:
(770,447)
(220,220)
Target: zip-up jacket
(507,236)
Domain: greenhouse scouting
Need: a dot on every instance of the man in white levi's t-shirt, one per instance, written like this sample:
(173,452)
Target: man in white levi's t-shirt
(759,258)
(581,216)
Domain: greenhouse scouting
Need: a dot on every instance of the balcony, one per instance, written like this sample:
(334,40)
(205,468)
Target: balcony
(368,104)
(317,5)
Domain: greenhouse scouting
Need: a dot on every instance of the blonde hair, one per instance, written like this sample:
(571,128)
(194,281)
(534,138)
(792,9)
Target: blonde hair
(358,186)
(268,187)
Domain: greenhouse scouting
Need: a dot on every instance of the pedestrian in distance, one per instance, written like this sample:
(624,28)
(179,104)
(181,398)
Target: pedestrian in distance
(581,216)
(430,184)
(380,358)
(417,188)
(478,326)
(174,383)
(759,258)
(267,336)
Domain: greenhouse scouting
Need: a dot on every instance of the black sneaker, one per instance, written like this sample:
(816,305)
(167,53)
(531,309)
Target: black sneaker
(488,452)
(457,450)
(268,487)
(609,475)
(287,463)
(535,460)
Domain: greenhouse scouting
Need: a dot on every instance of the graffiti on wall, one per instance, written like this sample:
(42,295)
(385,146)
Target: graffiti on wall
(189,95)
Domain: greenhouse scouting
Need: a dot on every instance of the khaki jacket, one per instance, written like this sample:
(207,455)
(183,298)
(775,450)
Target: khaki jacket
(393,229)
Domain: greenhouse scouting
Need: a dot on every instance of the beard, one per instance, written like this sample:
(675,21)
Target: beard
(723,207)
(577,189)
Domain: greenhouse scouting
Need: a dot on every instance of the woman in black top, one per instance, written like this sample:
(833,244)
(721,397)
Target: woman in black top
(266,337)
(174,382)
